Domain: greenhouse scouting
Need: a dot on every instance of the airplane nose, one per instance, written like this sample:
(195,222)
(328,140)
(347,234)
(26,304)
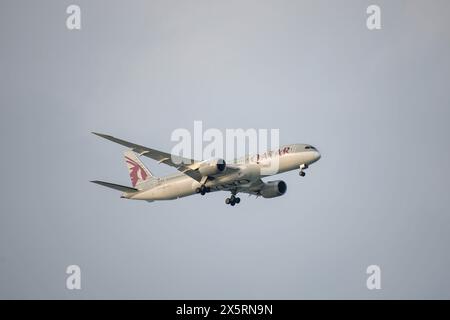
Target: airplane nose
(317,156)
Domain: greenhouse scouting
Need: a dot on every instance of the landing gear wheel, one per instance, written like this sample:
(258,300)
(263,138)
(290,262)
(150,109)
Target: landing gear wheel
(232,200)
(203,189)
(302,173)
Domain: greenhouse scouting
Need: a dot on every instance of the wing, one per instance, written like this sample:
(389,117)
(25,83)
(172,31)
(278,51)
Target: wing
(185,165)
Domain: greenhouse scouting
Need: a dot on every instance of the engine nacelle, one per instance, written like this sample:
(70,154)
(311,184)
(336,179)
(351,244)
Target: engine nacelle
(212,167)
(274,189)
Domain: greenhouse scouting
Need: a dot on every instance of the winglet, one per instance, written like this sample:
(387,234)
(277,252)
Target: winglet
(101,135)
(127,144)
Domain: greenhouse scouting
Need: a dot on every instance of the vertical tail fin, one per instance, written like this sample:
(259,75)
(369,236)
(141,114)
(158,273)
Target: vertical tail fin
(137,170)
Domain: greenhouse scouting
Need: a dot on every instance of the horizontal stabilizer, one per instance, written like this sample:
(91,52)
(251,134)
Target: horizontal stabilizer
(115,186)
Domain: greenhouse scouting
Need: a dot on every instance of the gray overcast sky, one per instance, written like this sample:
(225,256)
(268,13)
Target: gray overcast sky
(375,103)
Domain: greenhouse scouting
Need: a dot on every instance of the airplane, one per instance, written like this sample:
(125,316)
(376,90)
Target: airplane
(200,177)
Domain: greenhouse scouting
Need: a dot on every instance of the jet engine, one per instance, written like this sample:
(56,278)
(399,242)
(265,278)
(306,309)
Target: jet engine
(212,167)
(274,189)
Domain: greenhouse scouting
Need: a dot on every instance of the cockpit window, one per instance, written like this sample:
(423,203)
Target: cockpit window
(310,147)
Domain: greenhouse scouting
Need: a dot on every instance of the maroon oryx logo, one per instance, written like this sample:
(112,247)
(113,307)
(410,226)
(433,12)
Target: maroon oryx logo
(136,171)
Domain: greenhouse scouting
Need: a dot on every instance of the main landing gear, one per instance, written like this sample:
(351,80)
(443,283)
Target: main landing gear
(203,189)
(232,200)
(303,167)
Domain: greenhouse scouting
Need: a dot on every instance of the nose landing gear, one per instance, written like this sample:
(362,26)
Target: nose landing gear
(303,167)
(232,200)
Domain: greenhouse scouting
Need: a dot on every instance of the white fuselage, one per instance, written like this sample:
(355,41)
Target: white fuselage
(250,169)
